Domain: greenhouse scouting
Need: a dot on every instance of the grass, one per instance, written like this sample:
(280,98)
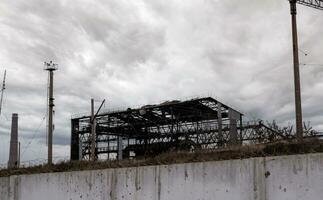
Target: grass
(237,152)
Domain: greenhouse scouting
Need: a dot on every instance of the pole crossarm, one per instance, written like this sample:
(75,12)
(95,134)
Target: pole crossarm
(318,4)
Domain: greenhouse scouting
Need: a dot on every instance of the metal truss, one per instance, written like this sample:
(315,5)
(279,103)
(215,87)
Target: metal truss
(318,4)
(202,123)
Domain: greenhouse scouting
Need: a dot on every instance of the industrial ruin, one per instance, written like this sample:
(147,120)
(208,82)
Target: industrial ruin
(152,129)
(200,123)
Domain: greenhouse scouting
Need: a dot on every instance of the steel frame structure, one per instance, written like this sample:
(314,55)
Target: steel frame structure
(318,4)
(200,123)
(192,123)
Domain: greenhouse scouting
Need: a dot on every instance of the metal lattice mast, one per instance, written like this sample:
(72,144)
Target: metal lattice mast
(318,4)
(2,89)
(50,67)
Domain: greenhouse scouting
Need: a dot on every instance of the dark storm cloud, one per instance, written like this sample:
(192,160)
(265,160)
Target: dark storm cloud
(143,52)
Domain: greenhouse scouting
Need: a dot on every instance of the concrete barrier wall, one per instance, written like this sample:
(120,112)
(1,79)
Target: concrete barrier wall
(272,178)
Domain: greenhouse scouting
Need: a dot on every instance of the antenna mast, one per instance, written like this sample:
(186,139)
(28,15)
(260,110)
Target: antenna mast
(50,67)
(2,89)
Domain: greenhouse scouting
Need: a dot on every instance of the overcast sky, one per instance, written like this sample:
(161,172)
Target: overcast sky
(146,51)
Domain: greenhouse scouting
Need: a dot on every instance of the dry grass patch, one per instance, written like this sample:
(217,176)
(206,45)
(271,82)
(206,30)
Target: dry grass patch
(237,152)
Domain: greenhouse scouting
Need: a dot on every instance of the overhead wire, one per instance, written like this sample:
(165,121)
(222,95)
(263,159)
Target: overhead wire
(308,64)
(311,64)
(33,136)
(44,118)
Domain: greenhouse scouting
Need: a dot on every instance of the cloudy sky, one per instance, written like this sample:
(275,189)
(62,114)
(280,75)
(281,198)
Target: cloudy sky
(146,51)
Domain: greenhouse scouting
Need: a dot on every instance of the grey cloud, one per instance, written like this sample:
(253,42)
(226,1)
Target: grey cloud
(139,52)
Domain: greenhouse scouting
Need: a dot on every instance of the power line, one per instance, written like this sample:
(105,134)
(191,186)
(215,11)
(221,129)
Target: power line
(305,54)
(311,64)
(34,135)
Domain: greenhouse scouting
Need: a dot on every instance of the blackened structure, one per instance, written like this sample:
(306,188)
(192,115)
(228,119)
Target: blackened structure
(152,129)
(200,123)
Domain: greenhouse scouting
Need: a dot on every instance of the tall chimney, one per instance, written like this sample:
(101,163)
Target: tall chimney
(13,154)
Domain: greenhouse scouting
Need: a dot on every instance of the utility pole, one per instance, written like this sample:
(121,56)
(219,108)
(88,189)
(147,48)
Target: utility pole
(318,4)
(50,67)
(297,84)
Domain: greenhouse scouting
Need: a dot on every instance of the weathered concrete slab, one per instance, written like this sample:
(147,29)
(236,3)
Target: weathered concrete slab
(284,177)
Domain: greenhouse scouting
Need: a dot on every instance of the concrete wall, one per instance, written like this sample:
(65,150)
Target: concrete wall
(273,178)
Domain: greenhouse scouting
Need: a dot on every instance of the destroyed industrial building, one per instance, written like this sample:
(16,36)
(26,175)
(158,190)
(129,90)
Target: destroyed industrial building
(200,123)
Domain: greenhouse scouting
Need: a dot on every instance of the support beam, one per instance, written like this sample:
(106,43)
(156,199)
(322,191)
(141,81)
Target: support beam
(93,134)
(75,140)
(220,134)
(120,147)
(93,156)
(233,133)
